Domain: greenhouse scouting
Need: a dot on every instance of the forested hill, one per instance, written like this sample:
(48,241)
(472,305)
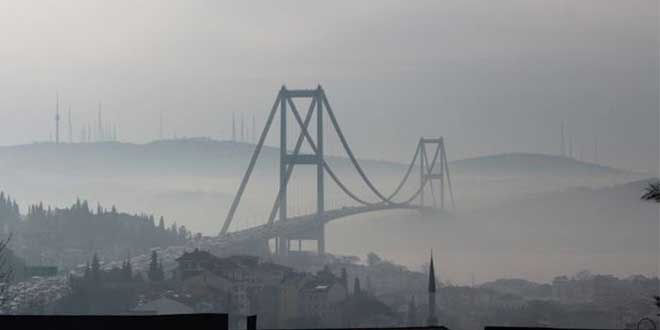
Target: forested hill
(68,236)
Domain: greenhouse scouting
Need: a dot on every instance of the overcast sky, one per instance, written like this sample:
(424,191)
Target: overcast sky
(490,76)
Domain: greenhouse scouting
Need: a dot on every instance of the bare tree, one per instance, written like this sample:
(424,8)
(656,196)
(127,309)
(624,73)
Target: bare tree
(652,192)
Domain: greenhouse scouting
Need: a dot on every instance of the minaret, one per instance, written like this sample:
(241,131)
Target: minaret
(432,320)
(57,119)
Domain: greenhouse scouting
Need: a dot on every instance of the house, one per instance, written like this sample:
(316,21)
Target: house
(240,278)
(322,299)
(162,306)
(288,298)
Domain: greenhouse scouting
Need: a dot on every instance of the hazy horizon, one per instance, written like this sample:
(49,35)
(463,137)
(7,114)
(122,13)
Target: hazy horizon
(489,77)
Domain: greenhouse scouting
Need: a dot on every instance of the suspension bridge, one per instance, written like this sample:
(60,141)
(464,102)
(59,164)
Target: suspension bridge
(285,229)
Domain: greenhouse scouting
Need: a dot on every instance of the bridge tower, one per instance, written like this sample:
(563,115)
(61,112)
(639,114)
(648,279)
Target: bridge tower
(285,230)
(289,160)
(285,106)
(429,174)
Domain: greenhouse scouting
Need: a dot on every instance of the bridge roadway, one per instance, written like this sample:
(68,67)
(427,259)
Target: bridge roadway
(305,223)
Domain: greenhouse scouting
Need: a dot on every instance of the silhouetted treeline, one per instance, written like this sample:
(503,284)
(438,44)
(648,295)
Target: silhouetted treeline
(68,236)
(9,214)
(100,291)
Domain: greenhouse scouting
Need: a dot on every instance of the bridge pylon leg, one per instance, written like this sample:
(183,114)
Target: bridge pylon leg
(283,248)
(320,189)
(320,243)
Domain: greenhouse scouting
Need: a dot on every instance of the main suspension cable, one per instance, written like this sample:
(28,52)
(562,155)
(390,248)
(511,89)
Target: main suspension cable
(347,148)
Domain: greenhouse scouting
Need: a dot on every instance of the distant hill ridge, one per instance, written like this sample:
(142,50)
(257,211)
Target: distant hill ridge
(187,156)
(205,156)
(531,163)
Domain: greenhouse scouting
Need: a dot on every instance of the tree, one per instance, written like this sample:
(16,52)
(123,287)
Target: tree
(96,269)
(161,223)
(183,233)
(127,270)
(373,259)
(356,287)
(344,278)
(88,272)
(155,268)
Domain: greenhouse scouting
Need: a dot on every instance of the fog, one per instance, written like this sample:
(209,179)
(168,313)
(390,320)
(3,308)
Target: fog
(127,127)
(533,216)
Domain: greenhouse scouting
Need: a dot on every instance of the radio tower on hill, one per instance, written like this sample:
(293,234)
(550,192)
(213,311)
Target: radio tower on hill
(70,127)
(57,118)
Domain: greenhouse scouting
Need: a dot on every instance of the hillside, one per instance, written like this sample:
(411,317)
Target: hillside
(530,164)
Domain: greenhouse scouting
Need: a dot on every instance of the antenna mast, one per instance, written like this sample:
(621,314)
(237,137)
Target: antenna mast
(57,118)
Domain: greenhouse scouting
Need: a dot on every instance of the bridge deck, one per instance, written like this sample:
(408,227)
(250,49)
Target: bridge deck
(304,223)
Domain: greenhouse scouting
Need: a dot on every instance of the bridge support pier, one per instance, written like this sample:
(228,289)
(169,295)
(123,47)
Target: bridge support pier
(293,242)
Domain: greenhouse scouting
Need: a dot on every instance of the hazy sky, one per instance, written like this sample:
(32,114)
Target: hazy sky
(491,76)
